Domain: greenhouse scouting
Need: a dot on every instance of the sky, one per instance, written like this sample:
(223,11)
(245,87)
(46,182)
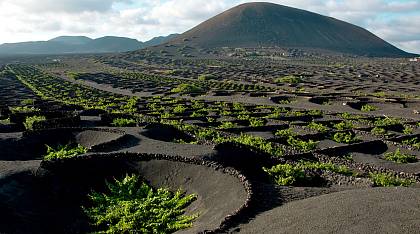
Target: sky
(396,21)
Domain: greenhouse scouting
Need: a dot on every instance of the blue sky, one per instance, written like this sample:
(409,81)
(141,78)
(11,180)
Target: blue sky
(397,21)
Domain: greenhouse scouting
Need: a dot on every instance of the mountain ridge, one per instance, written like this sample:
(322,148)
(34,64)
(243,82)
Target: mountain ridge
(80,44)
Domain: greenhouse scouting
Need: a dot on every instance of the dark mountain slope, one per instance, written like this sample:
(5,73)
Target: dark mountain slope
(267,24)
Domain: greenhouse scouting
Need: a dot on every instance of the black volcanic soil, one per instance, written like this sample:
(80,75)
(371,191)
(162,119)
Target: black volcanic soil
(374,210)
(219,194)
(148,143)
(49,201)
(33,145)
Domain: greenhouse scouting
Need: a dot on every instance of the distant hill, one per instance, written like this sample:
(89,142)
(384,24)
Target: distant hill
(160,40)
(72,40)
(112,44)
(80,44)
(268,24)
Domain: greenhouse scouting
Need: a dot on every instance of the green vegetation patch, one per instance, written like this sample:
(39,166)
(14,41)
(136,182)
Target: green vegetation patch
(197,104)
(23,109)
(413,142)
(408,130)
(315,113)
(345,137)
(5,121)
(186,89)
(387,121)
(367,108)
(344,125)
(204,134)
(380,94)
(123,122)
(340,169)
(179,109)
(208,134)
(299,144)
(64,151)
(285,133)
(399,157)
(290,174)
(205,77)
(292,140)
(173,72)
(74,75)
(28,102)
(286,174)
(388,179)
(318,127)
(132,206)
(166,115)
(347,115)
(380,131)
(291,79)
(227,125)
(199,114)
(216,137)
(30,121)
(256,122)
(259,143)
(296,113)
(277,113)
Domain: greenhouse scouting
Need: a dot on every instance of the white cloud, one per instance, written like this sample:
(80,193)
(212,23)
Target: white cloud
(43,19)
(402,32)
(412,46)
(72,6)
